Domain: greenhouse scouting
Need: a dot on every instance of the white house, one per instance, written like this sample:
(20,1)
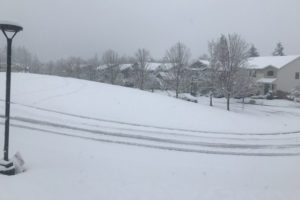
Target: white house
(276,73)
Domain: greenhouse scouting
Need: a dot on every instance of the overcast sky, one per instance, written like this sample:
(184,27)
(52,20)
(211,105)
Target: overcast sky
(62,28)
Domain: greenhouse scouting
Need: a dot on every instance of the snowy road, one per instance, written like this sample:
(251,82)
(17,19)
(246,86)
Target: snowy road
(259,144)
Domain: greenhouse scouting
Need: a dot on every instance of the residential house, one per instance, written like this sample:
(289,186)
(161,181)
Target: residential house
(195,73)
(279,74)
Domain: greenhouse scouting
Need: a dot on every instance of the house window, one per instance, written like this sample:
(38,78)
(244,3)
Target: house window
(297,75)
(270,73)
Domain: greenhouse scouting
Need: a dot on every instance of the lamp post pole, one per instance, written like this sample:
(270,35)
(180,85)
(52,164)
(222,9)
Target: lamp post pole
(7,98)
(9,30)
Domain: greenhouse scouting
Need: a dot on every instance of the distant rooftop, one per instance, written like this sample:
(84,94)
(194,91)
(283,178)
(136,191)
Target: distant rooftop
(275,61)
(151,66)
(205,62)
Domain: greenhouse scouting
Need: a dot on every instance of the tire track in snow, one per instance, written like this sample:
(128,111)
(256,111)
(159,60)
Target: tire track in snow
(161,147)
(162,140)
(183,135)
(157,127)
(189,135)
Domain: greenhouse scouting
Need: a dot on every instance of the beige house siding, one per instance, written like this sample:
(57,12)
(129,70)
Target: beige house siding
(286,76)
(259,74)
(263,73)
(270,68)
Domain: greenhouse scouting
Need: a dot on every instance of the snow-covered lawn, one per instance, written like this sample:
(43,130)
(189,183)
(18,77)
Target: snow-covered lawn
(69,168)
(134,106)
(86,140)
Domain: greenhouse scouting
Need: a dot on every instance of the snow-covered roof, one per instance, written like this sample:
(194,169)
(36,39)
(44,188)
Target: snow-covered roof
(122,67)
(101,67)
(199,65)
(165,75)
(125,66)
(275,61)
(155,66)
(205,62)
(266,80)
(9,22)
(151,66)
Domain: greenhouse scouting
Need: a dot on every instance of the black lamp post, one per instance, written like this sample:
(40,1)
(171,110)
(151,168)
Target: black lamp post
(9,30)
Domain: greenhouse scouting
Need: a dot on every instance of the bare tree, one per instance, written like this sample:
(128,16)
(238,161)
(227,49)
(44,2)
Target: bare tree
(35,66)
(74,66)
(142,57)
(209,81)
(245,85)
(228,56)
(90,69)
(111,59)
(210,75)
(22,57)
(204,57)
(50,68)
(178,55)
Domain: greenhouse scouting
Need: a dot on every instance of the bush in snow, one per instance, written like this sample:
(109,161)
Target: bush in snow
(295,94)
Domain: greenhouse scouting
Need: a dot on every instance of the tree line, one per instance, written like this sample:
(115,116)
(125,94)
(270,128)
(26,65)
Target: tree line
(226,75)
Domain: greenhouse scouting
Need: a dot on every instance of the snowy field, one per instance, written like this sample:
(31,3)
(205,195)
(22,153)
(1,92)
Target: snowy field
(86,140)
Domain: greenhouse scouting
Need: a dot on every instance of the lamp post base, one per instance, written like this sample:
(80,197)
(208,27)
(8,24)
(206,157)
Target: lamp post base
(7,168)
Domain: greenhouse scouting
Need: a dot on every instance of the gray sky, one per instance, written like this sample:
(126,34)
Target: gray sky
(62,28)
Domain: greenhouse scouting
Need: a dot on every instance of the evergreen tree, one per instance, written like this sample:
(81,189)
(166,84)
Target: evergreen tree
(278,50)
(253,51)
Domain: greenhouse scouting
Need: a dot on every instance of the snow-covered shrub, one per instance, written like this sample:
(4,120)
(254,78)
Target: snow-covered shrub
(281,94)
(295,94)
(252,101)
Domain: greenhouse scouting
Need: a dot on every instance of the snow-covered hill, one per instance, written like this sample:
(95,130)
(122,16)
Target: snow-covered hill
(87,140)
(121,104)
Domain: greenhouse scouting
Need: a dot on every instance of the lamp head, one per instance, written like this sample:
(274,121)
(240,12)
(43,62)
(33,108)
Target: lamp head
(8,27)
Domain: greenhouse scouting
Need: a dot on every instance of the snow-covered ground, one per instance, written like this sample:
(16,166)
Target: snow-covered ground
(86,140)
